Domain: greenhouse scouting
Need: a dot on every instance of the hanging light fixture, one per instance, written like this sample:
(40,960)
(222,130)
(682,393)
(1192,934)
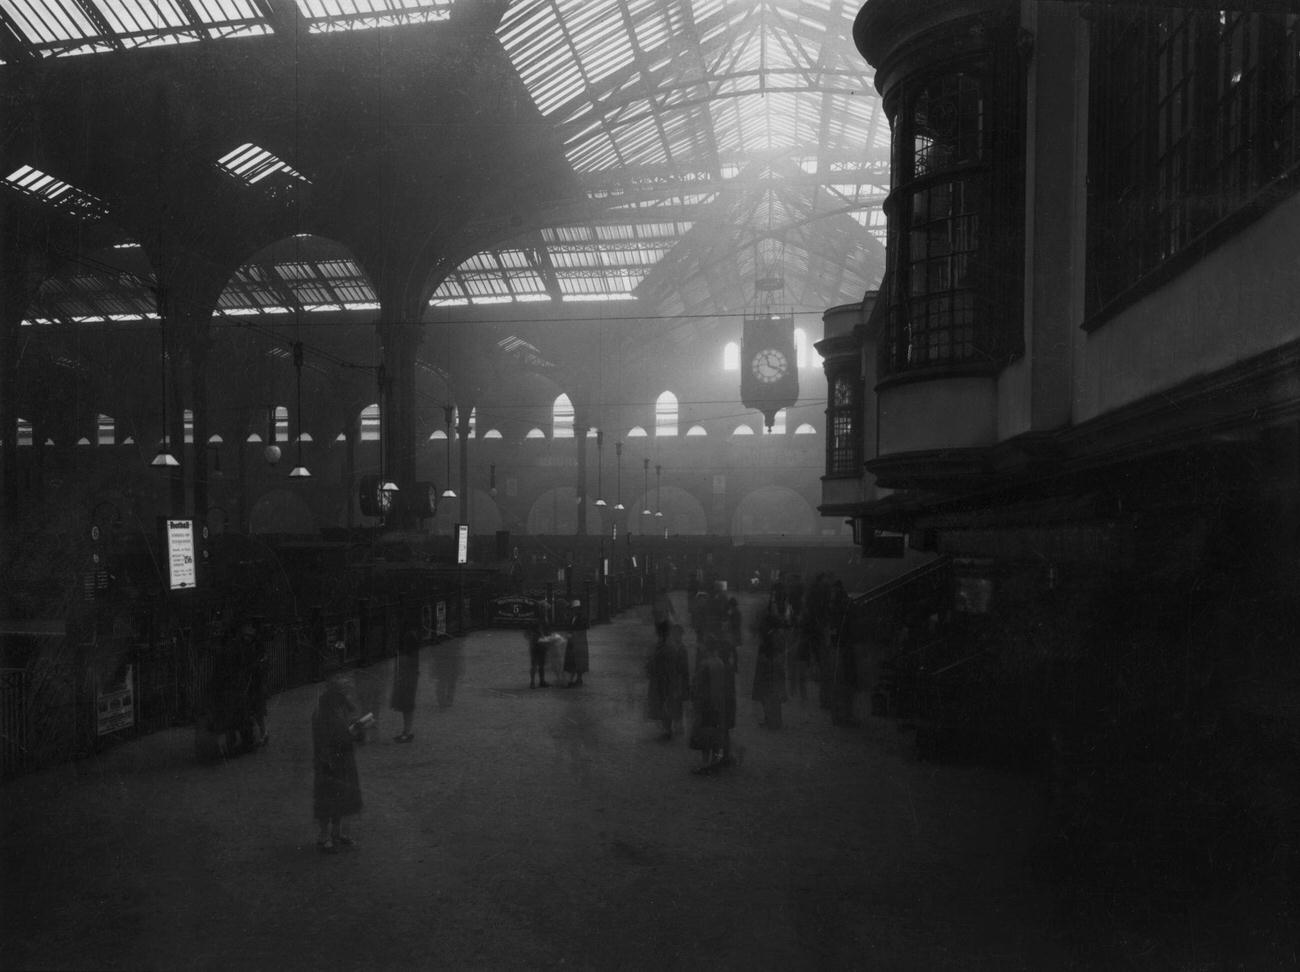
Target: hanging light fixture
(645,489)
(600,493)
(618,452)
(448,412)
(164,458)
(299,471)
(659,510)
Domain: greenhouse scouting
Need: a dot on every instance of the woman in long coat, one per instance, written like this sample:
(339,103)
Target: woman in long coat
(336,787)
(406,675)
(769,672)
(577,657)
(670,680)
(714,701)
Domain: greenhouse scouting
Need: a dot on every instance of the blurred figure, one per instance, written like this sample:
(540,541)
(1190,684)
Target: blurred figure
(668,670)
(536,653)
(769,672)
(446,672)
(714,702)
(577,657)
(663,612)
(406,673)
(254,662)
(336,787)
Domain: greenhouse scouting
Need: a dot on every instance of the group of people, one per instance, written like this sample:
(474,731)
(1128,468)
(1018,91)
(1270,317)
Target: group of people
(801,636)
(545,644)
(710,685)
(232,711)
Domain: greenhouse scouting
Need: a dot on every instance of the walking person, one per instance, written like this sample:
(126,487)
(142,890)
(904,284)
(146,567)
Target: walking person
(336,787)
(577,657)
(669,674)
(769,672)
(406,673)
(538,644)
(663,612)
(714,703)
(254,662)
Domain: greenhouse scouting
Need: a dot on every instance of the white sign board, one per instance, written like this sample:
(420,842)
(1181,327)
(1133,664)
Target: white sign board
(462,543)
(180,554)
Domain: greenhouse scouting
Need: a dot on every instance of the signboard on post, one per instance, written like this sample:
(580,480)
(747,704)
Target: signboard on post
(180,554)
(462,543)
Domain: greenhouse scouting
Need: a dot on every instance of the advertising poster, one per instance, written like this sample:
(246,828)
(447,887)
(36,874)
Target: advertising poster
(115,708)
(462,543)
(442,618)
(180,554)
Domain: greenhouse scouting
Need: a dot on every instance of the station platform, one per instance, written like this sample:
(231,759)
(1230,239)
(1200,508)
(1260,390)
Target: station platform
(535,829)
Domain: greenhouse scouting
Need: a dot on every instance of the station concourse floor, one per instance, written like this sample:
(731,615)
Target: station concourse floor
(535,829)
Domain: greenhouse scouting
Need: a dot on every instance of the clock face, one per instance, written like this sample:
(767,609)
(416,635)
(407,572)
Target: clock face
(769,365)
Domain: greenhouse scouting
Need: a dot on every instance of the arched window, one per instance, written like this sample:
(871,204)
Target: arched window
(437,435)
(106,432)
(492,434)
(636,432)
(666,414)
(562,418)
(370,423)
(743,430)
(805,429)
(535,433)
(731,357)
(696,430)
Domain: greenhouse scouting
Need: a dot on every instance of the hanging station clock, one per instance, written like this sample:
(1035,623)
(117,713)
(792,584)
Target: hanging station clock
(770,380)
(769,365)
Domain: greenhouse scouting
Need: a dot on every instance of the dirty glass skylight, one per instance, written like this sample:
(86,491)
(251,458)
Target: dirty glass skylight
(324,16)
(57,193)
(251,164)
(54,28)
(569,263)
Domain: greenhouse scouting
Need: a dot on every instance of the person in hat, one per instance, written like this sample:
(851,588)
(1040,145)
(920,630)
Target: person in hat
(336,787)
(576,655)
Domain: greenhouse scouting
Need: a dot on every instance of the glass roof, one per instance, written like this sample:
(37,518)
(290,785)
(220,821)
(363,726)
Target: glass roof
(695,128)
(63,27)
(325,16)
(694,108)
(54,28)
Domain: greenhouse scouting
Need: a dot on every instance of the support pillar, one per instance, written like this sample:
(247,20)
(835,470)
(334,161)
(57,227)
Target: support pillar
(462,435)
(398,423)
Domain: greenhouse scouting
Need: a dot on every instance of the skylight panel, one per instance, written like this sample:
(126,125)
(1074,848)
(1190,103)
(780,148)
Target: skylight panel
(231,18)
(147,23)
(251,164)
(326,16)
(55,26)
(57,193)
